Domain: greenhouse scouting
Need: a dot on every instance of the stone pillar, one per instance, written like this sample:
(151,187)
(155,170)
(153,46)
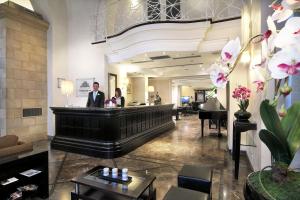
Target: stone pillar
(23,40)
(2,80)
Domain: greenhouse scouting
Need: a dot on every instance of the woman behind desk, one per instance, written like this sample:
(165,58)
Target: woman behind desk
(120,100)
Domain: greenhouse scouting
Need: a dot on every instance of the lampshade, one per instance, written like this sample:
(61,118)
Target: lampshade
(150,88)
(67,87)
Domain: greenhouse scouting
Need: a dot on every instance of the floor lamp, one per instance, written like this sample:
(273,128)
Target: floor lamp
(67,89)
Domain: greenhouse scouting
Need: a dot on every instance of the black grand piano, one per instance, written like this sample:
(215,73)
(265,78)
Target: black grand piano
(212,110)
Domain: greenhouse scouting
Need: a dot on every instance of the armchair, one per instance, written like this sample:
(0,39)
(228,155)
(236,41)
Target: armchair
(9,145)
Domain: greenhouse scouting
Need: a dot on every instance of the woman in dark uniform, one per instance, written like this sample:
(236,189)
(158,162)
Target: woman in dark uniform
(120,100)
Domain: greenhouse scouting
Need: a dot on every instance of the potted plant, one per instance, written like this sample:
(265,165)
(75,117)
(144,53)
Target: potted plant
(242,95)
(280,60)
(110,103)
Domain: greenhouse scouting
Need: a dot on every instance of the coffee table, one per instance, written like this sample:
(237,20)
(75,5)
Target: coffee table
(90,187)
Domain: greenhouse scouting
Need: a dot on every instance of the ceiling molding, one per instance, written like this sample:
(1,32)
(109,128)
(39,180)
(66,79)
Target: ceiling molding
(170,66)
(156,37)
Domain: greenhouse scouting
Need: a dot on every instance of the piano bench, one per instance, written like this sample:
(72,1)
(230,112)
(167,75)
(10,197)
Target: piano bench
(196,178)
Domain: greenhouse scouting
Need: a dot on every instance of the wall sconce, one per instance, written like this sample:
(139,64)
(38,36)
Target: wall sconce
(150,88)
(134,4)
(67,89)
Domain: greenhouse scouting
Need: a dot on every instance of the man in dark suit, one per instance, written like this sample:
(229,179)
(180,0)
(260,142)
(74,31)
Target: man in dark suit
(96,98)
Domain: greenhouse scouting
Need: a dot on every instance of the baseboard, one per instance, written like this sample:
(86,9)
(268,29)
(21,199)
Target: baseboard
(252,169)
(243,152)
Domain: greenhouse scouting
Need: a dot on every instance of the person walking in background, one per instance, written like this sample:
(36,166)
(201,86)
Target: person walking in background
(157,100)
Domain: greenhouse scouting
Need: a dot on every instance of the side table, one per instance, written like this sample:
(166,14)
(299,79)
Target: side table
(238,128)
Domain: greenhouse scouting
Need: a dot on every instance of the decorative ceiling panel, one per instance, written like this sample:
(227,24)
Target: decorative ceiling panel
(111,17)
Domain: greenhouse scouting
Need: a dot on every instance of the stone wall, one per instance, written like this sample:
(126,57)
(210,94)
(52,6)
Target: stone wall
(26,72)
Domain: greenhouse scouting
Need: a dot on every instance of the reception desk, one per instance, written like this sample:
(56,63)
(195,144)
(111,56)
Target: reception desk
(108,132)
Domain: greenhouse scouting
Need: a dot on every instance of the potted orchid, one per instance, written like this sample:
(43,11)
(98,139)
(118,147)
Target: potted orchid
(280,60)
(110,103)
(242,95)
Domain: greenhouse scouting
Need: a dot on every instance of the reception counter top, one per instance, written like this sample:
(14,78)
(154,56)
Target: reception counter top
(108,132)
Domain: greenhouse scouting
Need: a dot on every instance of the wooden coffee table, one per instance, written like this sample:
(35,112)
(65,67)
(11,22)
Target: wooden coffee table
(90,187)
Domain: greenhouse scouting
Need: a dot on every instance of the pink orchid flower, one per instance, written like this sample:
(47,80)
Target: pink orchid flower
(228,55)
(291,69)
(259,85)
(267,34)
(297,32)
(221,78)
(241,93)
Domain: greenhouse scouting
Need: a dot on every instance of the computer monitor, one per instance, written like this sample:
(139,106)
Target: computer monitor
(185,100)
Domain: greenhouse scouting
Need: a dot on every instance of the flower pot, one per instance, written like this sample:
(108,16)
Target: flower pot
(242,115)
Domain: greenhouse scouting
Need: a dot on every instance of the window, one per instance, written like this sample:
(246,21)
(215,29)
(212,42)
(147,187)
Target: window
(153,10)
(173,9)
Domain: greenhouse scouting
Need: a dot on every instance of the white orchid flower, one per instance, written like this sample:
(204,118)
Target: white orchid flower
(291,4)
(230,51)
(290,34)
(284,63)
(218,75)
(268,45)
(281,13)
(273,29)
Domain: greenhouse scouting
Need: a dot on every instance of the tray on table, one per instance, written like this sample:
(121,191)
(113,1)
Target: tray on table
(118,179)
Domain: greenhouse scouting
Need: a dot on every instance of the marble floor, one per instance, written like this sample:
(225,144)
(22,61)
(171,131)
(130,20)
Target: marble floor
(163,157)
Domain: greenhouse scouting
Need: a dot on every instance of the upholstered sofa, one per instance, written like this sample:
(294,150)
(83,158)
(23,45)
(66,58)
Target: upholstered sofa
(10,145)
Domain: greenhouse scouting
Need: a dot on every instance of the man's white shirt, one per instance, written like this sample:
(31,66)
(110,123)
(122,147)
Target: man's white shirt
(95,95)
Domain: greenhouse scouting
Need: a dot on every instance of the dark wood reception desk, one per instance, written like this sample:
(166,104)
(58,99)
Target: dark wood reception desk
(108,132)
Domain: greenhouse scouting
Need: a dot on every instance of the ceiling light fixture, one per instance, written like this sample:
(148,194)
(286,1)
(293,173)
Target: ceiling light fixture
(134,4)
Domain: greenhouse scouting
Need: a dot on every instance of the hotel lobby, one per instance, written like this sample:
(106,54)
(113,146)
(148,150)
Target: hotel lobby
(149,99)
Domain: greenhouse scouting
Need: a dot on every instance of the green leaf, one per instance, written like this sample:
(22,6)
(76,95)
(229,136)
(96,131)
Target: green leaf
(271,120)
(291,125)
(278,150)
